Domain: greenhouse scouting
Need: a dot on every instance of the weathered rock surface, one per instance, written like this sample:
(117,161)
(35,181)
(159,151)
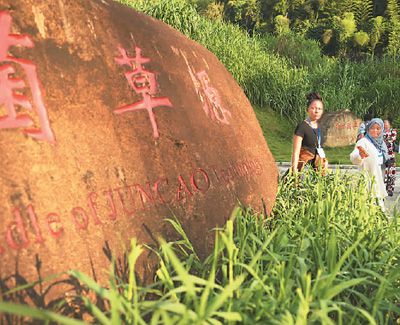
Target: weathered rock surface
(117,122)
(339,129)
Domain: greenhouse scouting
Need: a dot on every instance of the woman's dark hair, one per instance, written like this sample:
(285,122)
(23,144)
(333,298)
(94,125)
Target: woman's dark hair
(368,116)
(313,96)
(390,119)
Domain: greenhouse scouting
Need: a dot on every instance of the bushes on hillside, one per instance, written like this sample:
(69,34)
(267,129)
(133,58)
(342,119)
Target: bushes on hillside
(300,51)
(279,71)
(266,78)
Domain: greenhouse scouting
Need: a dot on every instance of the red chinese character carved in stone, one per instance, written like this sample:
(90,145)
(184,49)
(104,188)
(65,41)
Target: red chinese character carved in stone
(143,82)
(209,96)
(212,105)
(10,87)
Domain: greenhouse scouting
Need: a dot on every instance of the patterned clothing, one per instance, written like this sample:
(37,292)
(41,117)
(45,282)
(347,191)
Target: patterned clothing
(390,172)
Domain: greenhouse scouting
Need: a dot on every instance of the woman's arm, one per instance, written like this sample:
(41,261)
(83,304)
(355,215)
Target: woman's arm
(297,141)
(359,153)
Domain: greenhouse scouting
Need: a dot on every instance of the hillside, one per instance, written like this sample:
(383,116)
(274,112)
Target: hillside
(276,71)
(278,133)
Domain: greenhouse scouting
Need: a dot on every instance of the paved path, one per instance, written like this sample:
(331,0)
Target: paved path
(390,202)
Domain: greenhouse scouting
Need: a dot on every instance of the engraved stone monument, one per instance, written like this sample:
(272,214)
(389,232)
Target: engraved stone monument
(339,129)
(110,122)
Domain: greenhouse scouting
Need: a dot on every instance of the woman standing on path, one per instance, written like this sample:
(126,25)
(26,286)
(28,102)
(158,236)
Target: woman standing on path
(370,154)
(390,136)
(307,147)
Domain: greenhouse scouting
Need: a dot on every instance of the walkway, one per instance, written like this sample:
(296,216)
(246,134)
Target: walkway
(389,201)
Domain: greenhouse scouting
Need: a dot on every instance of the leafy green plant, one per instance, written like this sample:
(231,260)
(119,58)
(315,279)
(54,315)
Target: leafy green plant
(327,254)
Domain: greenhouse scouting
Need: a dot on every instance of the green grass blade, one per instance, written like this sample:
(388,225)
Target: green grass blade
(26,311)
(337,289)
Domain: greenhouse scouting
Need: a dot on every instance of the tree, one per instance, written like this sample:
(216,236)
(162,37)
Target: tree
(361,39)
(393,47)
(377,30)
(214,11)
(337,35)
(392,10)
(346,26)
(336,24)
(282,25)
(393,13)
(282,7)
(245,13)
(363,12)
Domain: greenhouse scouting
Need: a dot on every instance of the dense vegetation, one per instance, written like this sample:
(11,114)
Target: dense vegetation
(326,255)
(344,28)
(277,71)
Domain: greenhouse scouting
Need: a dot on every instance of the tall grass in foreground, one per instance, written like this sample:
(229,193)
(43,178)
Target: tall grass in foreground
(326,255)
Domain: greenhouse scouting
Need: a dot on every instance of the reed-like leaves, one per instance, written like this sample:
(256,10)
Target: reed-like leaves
(327,254)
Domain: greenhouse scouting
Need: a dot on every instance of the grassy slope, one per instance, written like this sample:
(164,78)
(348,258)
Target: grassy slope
(278,132)
(268,75)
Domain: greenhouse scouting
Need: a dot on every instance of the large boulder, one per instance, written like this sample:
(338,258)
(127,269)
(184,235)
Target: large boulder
(112,121)
(339,129)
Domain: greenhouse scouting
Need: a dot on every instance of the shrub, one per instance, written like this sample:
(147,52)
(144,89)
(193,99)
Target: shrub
(300,51)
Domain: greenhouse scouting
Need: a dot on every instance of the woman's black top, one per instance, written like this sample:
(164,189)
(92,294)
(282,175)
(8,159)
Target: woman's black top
(309,135)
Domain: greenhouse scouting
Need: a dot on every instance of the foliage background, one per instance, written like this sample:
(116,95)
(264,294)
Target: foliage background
(276,68)
(354,28)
